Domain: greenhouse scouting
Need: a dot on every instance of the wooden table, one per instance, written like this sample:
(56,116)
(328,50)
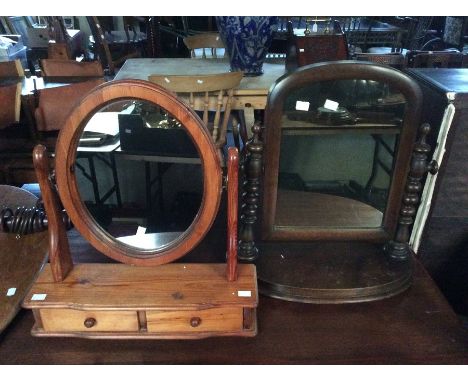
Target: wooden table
(251,94)
(417,326)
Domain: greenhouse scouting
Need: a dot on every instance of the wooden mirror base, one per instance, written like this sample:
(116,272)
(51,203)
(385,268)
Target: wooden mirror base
(323,272)
(171,301)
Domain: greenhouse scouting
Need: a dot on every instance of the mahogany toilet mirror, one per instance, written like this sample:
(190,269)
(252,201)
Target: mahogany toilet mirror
(342,172)
(144,295)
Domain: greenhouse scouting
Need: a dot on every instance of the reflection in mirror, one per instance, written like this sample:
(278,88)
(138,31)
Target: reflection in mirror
(338,147)
(139,174)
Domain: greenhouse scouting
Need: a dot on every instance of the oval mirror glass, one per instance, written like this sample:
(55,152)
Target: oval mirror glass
(139,174)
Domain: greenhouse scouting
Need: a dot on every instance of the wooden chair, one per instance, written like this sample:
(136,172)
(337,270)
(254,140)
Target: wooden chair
(10,99)
(108,60)
(395,60)
(71,68)
(434,59)
(204,41)
(59,51)
(206,93)
(56,104)
(11,69)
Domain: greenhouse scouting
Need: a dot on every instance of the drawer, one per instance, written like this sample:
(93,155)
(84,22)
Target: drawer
(207,320)
(70,320)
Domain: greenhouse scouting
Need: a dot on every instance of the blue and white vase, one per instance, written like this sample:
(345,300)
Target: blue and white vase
(247,39)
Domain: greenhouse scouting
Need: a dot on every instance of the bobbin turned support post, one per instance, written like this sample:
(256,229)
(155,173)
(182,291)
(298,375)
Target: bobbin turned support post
(250,195)
(232,206)
(399,248)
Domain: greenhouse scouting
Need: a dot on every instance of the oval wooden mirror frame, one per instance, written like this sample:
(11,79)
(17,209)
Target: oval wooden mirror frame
(66,148)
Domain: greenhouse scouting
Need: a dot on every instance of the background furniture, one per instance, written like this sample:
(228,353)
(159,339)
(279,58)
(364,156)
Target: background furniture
(442,243)
(215,92)
(70,68)
(11,69)
(202,42)
(395,60)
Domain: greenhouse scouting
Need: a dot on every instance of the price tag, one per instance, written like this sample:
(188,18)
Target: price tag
(244,293)
(38,296)
(141,230)
(331,105)
(302,105)
(11,292)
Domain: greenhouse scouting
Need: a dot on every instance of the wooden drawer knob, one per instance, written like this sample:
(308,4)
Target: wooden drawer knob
(195,321)
(90,322)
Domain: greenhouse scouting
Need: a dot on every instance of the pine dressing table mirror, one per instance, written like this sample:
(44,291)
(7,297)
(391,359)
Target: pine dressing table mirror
(144,293)
(342,160)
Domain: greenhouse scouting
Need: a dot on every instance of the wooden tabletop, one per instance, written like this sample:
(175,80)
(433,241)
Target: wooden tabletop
(141,68)
(417,326)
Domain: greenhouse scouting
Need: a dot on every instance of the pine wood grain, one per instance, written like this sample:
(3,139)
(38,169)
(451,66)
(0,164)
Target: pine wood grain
(121,286)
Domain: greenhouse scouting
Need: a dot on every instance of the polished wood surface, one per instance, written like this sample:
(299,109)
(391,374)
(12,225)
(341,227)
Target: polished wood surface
(10,99)
(21,256)
(415,327)
(11,69)
(336,71)
(68,186)
(169,286)
(59,250)
(312,209)
(70,68)
(123,301)
(232,212)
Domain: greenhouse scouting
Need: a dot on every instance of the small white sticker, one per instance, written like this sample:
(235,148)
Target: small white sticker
(11,292)
(38,296)
(167,79)
(301,50)
(331,105)
(141,230)
(128,131)
(199,81)
(244,293)
(302,105)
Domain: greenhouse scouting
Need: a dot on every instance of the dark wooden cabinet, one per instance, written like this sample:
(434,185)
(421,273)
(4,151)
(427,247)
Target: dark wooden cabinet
(441,240)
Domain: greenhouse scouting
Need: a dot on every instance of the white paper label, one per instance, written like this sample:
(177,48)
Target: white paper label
(11,292)
(244,293)
(38,296)
(331,105)
(301,50)
(302,105)
(141,230)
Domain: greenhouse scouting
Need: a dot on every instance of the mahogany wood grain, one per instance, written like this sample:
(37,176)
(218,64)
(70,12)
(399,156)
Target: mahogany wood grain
(70,68)
(59,251)
(67,183)
(10,99)
(312,209)
(11,69)
(340,70)
(232,212)
(21,258)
